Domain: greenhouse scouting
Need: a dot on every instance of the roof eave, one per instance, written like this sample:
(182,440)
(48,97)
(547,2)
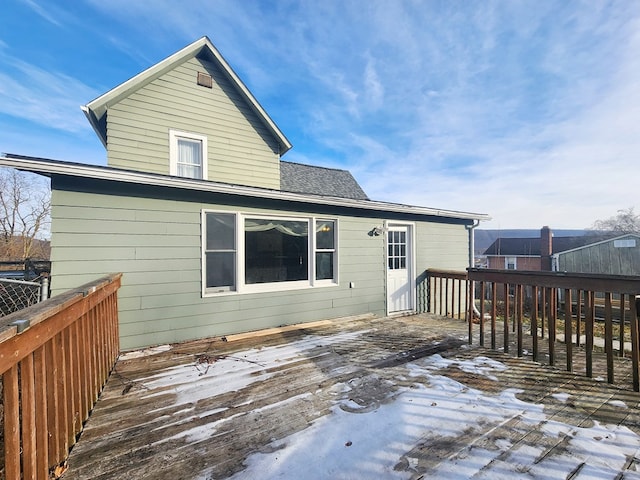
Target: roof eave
(94,124)
(54,167)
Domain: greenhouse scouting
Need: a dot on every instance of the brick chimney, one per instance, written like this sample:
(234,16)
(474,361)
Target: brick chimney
(546,247)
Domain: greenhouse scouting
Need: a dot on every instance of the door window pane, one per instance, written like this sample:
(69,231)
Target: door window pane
(397,250)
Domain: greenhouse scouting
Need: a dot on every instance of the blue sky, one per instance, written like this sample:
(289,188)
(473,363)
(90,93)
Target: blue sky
(528,111)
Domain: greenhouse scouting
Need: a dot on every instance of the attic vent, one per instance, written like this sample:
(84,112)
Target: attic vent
(205,80)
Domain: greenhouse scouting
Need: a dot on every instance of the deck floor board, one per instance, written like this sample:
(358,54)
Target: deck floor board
(148,425)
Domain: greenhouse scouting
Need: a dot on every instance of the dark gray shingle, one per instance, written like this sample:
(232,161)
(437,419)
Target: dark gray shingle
(332,182)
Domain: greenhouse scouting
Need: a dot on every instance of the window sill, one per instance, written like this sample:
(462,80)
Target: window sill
(269,288)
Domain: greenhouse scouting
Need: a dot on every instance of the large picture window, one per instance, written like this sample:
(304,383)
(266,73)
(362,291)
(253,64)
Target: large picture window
(276,250)
(249,253)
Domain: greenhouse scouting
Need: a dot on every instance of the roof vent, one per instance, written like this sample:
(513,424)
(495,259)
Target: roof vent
(205,80)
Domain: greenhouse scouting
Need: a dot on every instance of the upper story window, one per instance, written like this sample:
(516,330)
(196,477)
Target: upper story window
(187,154)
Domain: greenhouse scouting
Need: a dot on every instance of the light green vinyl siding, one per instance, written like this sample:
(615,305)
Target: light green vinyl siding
(156,245)
(241,150)
(442,245)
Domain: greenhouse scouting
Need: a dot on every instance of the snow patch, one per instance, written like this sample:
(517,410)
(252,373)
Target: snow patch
(144,353)
(562,397)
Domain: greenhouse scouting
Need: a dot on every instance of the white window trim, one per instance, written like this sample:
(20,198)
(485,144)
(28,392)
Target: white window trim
(515,262)
(174,135)
(329,281)
(203,255)
(241,286)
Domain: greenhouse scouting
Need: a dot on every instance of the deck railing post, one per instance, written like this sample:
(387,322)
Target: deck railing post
(482,314)
(470,311)
(608,334)
(534,323)
(568,333)
(519,312)
(505,323)
(578,316)
(590,317)
(622,325)
(634,310)
(493,315)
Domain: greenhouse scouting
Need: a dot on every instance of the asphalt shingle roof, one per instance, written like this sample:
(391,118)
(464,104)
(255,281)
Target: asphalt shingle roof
(332,182)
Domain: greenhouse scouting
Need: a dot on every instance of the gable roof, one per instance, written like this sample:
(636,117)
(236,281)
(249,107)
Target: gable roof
(96,109)
(48,167)
(333,182)
(531,246)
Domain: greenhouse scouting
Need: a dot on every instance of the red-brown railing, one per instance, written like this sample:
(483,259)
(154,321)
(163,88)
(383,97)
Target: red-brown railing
(445,293)
(55,357)
(543,298)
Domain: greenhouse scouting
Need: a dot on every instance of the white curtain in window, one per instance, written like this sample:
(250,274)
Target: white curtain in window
(189,158)
(292,228)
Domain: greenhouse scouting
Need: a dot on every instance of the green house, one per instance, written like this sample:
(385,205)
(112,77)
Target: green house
(214,233)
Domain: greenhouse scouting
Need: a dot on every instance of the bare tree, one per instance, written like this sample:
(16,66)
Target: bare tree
(626,221)
(25,207)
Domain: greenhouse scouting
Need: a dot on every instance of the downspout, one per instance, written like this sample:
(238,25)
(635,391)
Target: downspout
(472,260)
(472,256)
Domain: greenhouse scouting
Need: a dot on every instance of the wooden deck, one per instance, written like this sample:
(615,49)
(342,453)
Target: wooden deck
(200,410)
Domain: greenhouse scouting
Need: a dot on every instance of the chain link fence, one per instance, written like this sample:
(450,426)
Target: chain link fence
(18,294)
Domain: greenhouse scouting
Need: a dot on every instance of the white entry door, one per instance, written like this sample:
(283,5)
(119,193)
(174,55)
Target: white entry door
(399,269)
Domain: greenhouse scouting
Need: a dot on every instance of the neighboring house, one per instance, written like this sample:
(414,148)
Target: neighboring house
(618,255)
(612,254)
(213,232)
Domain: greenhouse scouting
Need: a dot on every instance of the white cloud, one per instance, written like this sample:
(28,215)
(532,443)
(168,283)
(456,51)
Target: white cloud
(49,98)
(42,12)
(374,90)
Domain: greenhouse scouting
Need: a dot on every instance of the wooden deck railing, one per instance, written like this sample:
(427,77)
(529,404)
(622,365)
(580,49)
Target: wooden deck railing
(580,301)
(55,358)
(445,293)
